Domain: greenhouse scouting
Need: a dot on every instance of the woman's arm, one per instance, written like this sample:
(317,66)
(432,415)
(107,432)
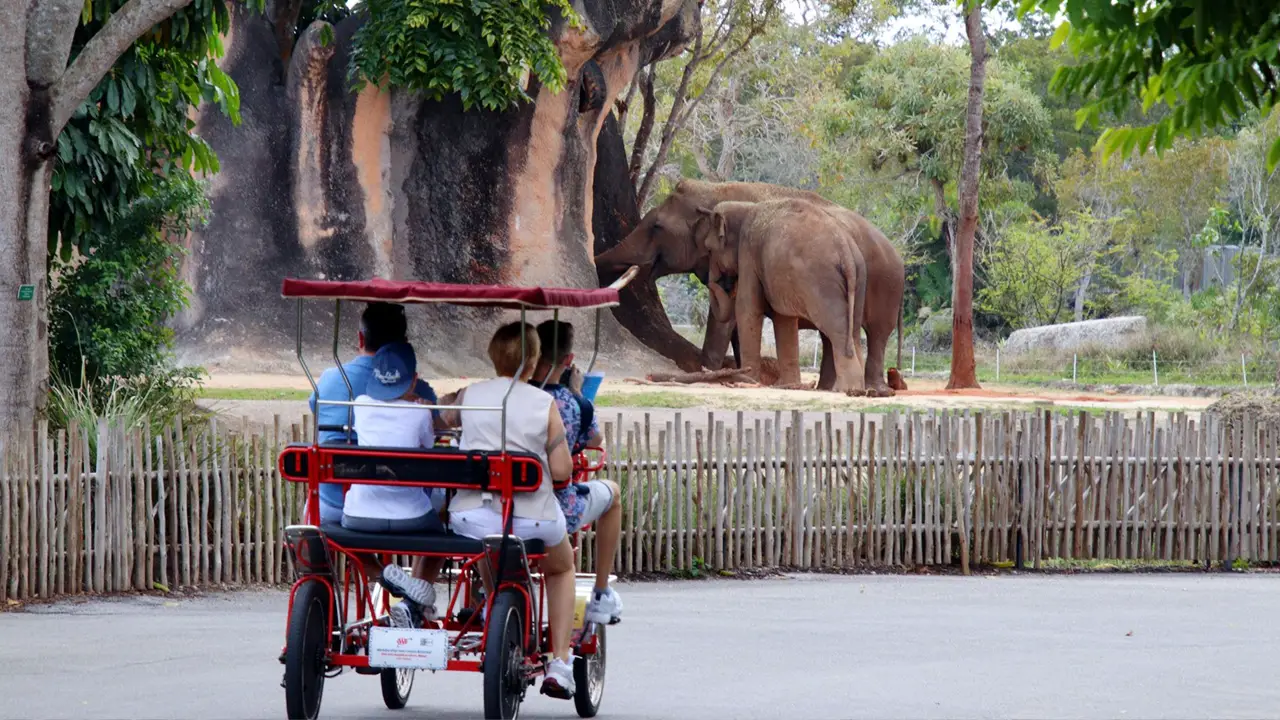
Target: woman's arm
(558,456)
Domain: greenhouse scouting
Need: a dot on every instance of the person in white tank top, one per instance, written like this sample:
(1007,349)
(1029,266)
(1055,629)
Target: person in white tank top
(533,426)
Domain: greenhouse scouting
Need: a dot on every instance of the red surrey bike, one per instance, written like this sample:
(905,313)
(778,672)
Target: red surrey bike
(338,619)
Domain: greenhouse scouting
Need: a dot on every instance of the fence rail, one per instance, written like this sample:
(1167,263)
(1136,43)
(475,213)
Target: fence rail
(104,510)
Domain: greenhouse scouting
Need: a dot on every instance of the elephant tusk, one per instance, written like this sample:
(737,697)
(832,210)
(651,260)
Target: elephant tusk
(626,278)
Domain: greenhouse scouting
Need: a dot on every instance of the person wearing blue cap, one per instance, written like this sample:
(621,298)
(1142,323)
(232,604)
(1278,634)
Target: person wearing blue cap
(389,417)
(380,324)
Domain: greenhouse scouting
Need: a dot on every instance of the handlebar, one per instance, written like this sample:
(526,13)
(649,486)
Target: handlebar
(586,462)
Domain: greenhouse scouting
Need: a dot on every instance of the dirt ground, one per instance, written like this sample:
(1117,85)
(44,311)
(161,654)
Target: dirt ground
(630,401)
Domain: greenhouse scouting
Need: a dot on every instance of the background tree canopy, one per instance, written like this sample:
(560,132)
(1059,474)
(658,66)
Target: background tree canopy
(867,108)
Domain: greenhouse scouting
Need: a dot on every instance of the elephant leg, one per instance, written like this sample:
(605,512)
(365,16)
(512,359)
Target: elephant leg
(786,333)
(827,379)
(846,371)
(877,340)
(750,314)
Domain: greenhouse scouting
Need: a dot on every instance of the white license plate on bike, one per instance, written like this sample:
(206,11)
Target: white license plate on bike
(408,648)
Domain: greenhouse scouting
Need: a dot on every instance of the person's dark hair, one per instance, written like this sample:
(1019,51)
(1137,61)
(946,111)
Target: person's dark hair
(383,324)
(555,334)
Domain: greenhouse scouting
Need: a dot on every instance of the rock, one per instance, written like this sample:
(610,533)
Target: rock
(1114,333)
(323,182)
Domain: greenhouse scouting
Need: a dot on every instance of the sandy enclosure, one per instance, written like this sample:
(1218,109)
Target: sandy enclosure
(630,402)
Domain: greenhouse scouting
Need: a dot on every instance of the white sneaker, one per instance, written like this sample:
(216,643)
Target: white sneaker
(401,615)
(605,607)
(559,680)
(400,583)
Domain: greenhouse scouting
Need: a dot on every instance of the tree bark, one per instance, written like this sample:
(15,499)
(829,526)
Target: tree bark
(964,373)
(41,93)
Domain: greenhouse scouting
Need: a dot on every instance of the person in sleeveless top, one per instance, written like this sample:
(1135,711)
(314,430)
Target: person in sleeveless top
(533,426)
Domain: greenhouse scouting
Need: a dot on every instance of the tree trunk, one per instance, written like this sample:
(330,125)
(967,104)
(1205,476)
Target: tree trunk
(964,373)
(25,148)
(1082,292)
(614,215)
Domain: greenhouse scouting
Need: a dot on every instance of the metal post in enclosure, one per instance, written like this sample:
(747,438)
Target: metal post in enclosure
(1075,367)
(1155,369)
(1244,371)
(913,361)
(997,363)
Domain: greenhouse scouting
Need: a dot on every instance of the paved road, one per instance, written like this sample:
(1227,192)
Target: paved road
(1136,646)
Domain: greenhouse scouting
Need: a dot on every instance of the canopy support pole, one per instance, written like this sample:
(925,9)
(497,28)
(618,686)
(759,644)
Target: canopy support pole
(351,396)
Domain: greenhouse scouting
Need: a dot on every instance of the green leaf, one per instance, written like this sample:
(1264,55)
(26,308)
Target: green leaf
(1060,36)
(1273,156)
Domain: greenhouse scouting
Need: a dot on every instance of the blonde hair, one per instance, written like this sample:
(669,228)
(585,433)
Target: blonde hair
(504,349)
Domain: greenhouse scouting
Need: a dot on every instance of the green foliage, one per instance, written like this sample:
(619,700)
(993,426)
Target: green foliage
(483,50)
(1209,62)
(153,401)
(107,308)
(906,109)
(135,128)
(1032,270)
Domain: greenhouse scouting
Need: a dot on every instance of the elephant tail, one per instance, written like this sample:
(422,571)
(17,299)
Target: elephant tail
(902,308)
(855,277)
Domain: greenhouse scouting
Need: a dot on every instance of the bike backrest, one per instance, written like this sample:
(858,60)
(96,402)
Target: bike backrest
(439,467)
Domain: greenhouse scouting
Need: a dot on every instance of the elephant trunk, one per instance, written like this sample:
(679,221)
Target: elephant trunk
(631,251)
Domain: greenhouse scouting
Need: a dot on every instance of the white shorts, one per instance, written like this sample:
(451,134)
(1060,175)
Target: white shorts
(483,521)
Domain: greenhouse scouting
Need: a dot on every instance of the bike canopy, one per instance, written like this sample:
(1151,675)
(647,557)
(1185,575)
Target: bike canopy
(496,296)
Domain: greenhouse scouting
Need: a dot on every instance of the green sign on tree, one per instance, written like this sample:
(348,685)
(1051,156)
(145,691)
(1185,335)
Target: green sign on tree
(26,293)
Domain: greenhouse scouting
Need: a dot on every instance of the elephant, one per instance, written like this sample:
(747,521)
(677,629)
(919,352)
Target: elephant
(794,258)
(667,240)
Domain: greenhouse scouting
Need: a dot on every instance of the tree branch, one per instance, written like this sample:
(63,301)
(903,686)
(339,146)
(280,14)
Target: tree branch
(647,119)
(51,29)
(121,30)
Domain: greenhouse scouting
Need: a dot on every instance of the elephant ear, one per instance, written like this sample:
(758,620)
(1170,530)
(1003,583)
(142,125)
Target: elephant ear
(718,237)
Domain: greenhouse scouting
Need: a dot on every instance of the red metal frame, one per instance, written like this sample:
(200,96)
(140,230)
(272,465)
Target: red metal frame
(319,468)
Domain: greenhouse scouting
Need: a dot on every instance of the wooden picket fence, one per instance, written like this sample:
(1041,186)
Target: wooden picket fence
(107,510)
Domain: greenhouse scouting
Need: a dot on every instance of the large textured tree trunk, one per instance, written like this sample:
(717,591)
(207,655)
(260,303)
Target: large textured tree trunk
(40,93)
(19,344)
(964,372)
(615,215)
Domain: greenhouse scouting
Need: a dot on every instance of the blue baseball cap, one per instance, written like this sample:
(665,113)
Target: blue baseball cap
(394,366)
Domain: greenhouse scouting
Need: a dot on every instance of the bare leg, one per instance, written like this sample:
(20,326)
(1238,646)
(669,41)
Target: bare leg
(608,529)
(427,568)
(557,573)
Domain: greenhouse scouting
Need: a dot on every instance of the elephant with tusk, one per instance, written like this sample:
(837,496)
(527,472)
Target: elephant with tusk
(666,240)
(795,259)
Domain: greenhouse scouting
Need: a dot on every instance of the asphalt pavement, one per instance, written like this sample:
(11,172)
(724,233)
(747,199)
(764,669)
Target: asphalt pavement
(1098,646)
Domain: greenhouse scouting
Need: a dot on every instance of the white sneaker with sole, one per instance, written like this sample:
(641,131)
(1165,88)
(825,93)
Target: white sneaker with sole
(605,607)
(401,615)
(399,582)
(559,680)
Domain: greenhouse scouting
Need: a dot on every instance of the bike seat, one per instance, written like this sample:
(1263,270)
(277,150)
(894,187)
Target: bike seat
(440,543)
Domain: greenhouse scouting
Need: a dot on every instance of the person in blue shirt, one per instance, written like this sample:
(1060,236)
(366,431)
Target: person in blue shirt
(380,324)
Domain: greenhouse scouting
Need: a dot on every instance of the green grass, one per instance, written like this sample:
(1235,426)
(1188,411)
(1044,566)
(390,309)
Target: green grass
(253,394)
(654,399)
